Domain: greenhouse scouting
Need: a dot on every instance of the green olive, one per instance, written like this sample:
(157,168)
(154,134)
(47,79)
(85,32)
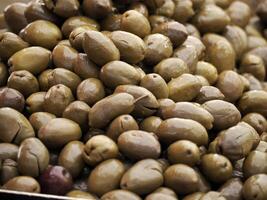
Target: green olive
(39,119)
(34,103)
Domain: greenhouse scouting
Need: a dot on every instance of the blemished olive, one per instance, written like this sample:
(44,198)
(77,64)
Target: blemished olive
(253,64)
(146,103)
(184,88)
(254,83)
(76,37)
(257,121)
(20,129)
(81,194)
(121,124)
(143,177)
(239,13)
(3,74)
(166,191)
(219,52)
(32,59)
(216,168)
(39,119)
(120,194)
(99,148)
(34,103)
(183,11)
(171,68)
(138,145)
(181,178)
(63,8)
(73,22)
(71,158)
(187,110)
(57,98)
(33,157)
(41,33)
(184,152)
(8,151)
(99,48)
(156,20)
(56,180)
(154,196)
(254,187)
(10,43)
(11,98)
(106,177)
(65,77)
(59,132)
(8,171)
(232,189)
(255,163)
(225,114)
(14,16)
(140,7)
(173,129)
(23,184)
(64,56)
(23,81)
(150,124)
(97,9)
(43,79)
(158,48)
(78,112)
(208,93)
(211,18)
(117,73)
(175,31)
(85,68)
(253,101)
(90,91)
(212,196)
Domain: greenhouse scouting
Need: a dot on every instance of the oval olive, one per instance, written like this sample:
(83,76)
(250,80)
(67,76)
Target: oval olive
(39,119)
(254,187)
(120,194)
(207,70)
(163,104)
(34,103)
(139,7)
(112,22)
(154,196)
(43,79)
(232,189)
(239,13)
(255,163)
(8,171)
(8,151)
(76,37)
(63,8)
(183,11)
(150,124)
(97,9)
(208,93)
(23,184)
(257,121)
(11,98)
(197,43)
(81,194)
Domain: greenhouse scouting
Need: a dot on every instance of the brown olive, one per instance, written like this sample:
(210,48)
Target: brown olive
(232,189)
(150,124)
(239,13)
(183,11)
(9,170)
(254,187)
(208,93)
(11,98)
(257,121)
(63,8)
(39,119)
(120,194)
(23,184)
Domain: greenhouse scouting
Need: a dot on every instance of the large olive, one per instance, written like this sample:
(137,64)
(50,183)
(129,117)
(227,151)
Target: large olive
(8,171)
(239,13)
(63,8)
(23,184)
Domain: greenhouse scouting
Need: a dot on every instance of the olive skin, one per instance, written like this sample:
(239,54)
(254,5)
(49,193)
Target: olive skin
(14,16)
(158,48)
(207,70)
(194,196)
(71,158)
(184,152)
(225,114)
(32,59)
(240,13)
(64,56)
(39,119)
(132,48)
(81,194)
(33,157)
(181,178)
(99,48)
(183,11)
(23,184)
(219,52)
(254,187)
(187,110)
(192,30)
(231,85)
(174,129)
(34,103)
(96,9)
(90,91)
(163,104)
(20,129)
(117,73)
(155,84)
(197,44)
(58,132)
(257,121)
(56,180)
(143,177)
(150,124)
(9,170)
(121,124)
(41,33)
(120,194)
(8,151)
(85,68)
(166,191)
(208,93)
(106,177)
(216,168)
(11,98)
(3,74)
(140,7)
(138,145)
(253,83)
(154,196)
(171,68)
(156,20)
(212,196)
(232,189)
(57,98)
(23,81)
(63,8)
(10,43)
(43,79)
(255,163)
(109,108)
(253,101)
(184,88)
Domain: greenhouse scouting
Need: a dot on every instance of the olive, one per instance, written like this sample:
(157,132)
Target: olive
(34,103)
(81,194)
(166,191)
(212,196)
(192,30)
(239,13)
(256,41)
(97,9)
(33,157)
(76,36)
(8,171)
(208,93)
(8,151)
(255,163)
(254,83)
(55,180)
(150,124)
(43,80)
(23,184)
(163,104)
(39,119)
(262,146)
(254,187)
(154,196)
(112,22)
(120,194)
(183,11)
(63,8)
(257,121)
(3,74)
(156,20)
(197,43)
(11,98)
(139,7)
(232,189)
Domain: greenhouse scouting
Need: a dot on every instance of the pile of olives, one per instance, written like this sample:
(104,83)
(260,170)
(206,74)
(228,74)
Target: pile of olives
(131,100)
